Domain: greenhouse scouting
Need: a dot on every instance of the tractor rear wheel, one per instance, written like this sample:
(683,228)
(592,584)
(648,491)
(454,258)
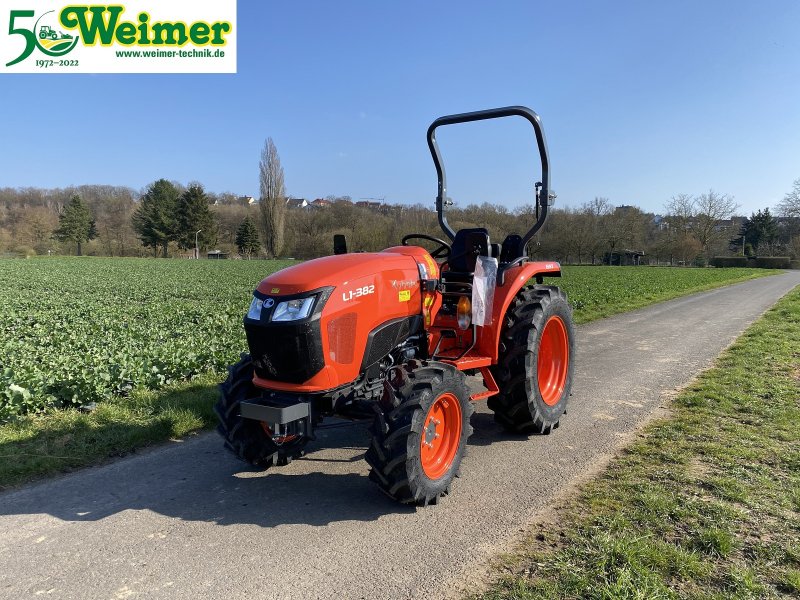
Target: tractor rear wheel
(250,440)
(536,361)
(420,433)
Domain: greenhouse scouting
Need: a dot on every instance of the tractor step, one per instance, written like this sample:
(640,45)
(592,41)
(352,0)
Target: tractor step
(280,415)
(491,386)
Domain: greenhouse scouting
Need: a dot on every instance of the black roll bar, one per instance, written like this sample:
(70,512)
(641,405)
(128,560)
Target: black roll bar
(542,198)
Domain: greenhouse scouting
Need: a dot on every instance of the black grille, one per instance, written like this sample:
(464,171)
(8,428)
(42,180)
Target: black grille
(291,353)
(386,337)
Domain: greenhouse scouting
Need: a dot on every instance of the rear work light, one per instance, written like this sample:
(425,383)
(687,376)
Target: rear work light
(464,312)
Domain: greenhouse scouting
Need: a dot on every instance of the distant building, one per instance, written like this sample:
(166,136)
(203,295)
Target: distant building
(217,255)
(369,204)
(660,222)
(725,224)
(246,200)
(623,258)
(321,203)
(293,203)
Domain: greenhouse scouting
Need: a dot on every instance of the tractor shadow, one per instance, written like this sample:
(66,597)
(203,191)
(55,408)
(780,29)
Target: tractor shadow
(485,431)
(197,480)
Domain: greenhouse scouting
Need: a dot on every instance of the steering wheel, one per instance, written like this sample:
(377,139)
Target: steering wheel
(443,251)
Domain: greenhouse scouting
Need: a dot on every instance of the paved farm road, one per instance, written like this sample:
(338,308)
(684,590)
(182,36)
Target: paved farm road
(189,522)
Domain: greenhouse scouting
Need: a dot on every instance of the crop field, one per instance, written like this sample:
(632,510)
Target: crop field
(78,331)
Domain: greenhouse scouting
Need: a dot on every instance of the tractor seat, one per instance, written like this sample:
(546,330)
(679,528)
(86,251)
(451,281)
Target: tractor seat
(467,246)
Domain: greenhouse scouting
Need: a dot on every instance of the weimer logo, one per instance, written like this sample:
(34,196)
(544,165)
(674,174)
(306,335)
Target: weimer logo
(43,36)
(122,38)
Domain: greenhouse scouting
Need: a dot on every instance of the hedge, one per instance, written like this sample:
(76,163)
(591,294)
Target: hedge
(762,262)
(773,262)
(729,261)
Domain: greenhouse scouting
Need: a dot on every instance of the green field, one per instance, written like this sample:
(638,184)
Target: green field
(76,331)
(133,335)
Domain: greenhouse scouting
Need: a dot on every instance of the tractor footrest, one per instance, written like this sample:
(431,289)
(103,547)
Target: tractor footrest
(275,414)
(491,386)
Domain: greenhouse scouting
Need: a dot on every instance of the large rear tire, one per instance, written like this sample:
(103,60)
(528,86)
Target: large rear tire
(536,361)
(420,433)
(246,438)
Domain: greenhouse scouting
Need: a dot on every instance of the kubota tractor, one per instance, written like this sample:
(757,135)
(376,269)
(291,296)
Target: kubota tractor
(394,335)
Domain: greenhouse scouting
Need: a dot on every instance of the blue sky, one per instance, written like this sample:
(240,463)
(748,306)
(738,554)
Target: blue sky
(639,101)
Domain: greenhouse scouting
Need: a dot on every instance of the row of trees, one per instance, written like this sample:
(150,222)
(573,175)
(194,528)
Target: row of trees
(169,219)
(165,214)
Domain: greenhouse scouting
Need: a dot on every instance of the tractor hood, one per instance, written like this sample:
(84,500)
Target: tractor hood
(340,271)
(365,305)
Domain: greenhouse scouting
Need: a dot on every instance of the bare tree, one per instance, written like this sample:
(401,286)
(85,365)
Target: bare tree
(595,211)
(681,210)
(713,212)
(790,205)
(272,204)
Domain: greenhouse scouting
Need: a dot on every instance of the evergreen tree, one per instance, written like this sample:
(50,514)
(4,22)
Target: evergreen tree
(760,231)
(155,220)
(766,228)
(75,224)
(247,239)
(195,215)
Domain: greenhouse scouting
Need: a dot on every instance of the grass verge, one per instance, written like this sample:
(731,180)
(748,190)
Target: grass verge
(62,440)
(706,504)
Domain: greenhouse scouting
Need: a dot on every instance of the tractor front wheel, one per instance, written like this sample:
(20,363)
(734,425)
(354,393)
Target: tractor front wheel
(248,439)
(420,433)
(536,361)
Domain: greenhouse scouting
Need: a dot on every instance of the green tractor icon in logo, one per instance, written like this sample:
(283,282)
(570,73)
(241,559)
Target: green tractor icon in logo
(52,42)
(47,32)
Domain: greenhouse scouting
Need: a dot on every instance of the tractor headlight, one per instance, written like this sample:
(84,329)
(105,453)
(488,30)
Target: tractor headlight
(255,309)
(293,310)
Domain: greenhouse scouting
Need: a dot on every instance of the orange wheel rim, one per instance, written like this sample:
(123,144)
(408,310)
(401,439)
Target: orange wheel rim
(441,436)
(553,361)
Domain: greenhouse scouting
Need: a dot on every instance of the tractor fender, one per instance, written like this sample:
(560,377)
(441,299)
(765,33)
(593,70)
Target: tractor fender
(515,280)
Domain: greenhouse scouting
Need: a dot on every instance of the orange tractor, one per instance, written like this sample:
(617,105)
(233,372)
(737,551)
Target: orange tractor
(393,335)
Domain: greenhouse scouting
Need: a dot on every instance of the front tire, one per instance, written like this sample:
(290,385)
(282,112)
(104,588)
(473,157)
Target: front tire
(420,433)
(536,361)
(248,439)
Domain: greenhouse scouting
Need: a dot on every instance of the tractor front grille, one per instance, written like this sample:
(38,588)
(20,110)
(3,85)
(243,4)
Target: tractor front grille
(287,352)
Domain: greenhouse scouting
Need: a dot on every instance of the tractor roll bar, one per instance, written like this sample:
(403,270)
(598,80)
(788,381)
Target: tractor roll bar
(493,113)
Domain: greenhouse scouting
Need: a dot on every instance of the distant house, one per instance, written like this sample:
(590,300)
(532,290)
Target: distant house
(623,258)
(293,203)
(217,255)
(369,204)
(725,224)
(660,222)
(246,200)
(321,203)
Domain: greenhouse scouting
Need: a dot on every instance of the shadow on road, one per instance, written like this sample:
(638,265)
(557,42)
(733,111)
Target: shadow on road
(486,431)
(199,481)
